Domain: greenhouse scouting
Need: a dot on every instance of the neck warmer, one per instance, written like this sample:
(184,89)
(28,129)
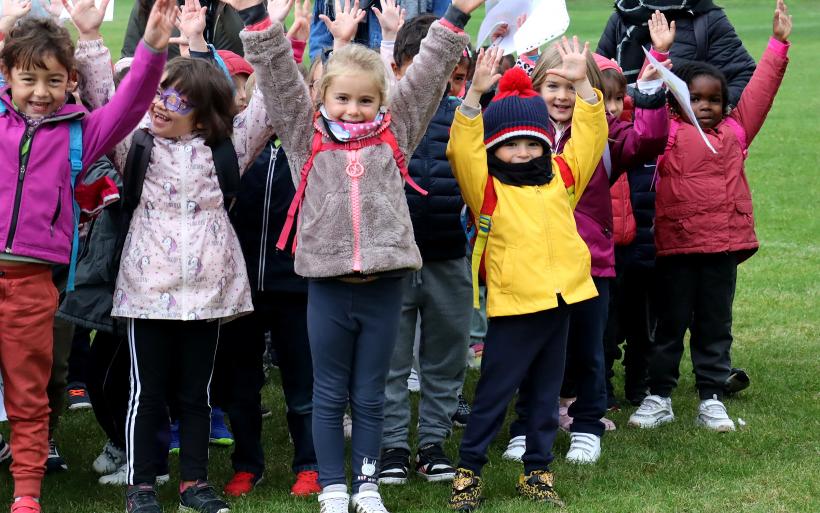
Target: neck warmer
(537,171)
(342,131)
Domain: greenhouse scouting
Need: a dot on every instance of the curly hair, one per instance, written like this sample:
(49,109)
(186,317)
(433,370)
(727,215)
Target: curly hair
(691,70)
(34,39)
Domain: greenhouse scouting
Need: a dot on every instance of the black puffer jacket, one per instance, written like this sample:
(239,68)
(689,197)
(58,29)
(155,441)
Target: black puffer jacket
(626,32)
(222,29)
(259,215)
(436,217)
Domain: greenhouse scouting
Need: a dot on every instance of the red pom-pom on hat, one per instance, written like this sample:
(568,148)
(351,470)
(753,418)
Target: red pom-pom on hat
(515,82)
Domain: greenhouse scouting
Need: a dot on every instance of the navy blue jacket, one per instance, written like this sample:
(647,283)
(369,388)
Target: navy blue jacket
(259,215)
(436,217)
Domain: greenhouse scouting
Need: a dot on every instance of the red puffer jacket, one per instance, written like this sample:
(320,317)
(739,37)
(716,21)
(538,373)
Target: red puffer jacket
(624,228)
(703,202)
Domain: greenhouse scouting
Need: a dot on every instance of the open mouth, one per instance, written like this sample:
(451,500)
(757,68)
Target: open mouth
(39,107)
(161,118)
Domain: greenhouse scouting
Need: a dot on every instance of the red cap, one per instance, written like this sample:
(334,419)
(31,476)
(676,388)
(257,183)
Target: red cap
(604,63)
(236,65)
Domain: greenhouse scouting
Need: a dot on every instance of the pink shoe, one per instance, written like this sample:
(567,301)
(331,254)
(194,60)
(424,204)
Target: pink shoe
(25,505)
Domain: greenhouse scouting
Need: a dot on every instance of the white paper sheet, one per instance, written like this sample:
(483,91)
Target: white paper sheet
(38,8)
(546,20)
(681,93)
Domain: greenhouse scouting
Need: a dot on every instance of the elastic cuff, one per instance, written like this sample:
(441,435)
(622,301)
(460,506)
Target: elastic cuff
(147,47)
(253,15)
(298,49)
(455,19)
(660,56)
(27,486)
(781,48)
(97,43)
(200,55)
(470,111)
(259,26)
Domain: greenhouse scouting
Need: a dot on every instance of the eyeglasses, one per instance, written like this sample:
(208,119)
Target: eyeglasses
(172,100)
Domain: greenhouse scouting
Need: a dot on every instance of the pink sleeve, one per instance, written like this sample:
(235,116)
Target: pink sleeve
(659,56)
(109,124)
(632,144)
(757,98)
(298,49)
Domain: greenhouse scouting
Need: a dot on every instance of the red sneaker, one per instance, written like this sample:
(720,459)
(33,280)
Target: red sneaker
(25,505)
(307,483)
(242,483)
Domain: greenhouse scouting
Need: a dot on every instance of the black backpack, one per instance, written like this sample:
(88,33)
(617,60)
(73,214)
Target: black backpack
(136,165)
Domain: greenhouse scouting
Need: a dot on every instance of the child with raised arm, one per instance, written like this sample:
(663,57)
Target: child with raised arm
(37,212)
(704,228)
(536,263)
(355,239)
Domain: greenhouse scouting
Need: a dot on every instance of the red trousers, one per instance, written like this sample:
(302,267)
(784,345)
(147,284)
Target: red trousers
(28,301)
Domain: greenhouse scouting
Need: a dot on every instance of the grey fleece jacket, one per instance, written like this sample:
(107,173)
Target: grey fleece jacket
(326,247)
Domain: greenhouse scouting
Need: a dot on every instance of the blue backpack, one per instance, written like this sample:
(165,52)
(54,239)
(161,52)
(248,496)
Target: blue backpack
(75,157)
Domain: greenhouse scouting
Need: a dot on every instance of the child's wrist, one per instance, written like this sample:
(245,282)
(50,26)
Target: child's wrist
(93,35)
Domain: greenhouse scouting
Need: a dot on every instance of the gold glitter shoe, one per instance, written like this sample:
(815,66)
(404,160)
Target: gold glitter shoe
(466,495)
(537,486)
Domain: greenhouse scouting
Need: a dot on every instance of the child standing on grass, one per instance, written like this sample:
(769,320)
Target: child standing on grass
(536,263)
(36,200)
(355,238)
(704,228)
(182,272)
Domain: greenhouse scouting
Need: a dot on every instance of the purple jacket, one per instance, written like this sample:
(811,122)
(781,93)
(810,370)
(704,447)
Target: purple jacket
(629,145)
(36,218)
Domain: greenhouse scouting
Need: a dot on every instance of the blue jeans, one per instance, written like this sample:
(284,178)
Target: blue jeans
(352,330)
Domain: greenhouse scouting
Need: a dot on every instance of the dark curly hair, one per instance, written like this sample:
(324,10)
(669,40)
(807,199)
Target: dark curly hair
(34,39)
(409,38)
(207,89)
(691,70)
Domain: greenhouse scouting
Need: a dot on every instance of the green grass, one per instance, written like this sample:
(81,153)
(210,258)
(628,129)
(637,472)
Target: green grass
(771,465)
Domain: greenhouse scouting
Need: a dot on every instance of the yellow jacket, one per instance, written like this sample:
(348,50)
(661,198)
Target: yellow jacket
(534,251)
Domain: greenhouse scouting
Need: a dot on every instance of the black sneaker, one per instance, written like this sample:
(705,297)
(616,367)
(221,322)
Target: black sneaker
(5,450)
(201,498)
(78,397)
(395,466)
(141,499)
(433,465)
(54,462)
(738,380)
(466,494)
(462,414)
(538,486)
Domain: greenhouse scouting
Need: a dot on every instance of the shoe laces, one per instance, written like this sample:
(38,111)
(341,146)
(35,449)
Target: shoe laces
(370,502)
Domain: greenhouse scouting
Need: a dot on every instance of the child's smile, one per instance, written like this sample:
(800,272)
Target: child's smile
(39,91)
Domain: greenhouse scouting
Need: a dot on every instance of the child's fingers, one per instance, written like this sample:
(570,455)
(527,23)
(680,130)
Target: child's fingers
(327,21)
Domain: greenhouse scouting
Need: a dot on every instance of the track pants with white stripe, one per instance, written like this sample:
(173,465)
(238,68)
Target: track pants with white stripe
(169,359)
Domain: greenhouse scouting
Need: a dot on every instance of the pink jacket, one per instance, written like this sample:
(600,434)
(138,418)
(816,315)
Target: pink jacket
(36,218)
(703,203)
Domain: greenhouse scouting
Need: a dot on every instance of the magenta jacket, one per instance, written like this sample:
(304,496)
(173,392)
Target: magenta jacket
(36,218)
(703,203)
(630,144)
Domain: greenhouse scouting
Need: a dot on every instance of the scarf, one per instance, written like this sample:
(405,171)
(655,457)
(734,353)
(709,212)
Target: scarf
(537,171)
(343,132)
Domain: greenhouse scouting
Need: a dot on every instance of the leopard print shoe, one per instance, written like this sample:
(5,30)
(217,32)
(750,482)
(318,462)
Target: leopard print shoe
(466,495)
(538,486)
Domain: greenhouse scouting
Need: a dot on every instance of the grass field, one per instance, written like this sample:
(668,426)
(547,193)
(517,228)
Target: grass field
(770,465)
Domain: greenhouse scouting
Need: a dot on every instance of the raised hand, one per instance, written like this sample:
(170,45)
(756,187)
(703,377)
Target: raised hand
(182,42)
(86,17)
(467,6)
(278,10)
(662,33)
(54,8)
(160,24)
(16,9)
(782,22)
(486,69)
(343,28)
(573,60)
(391,18)
(650,73)
(191,21)
(302,16)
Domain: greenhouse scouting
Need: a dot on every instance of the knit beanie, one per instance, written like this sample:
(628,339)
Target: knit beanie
(516,111)
(236,64)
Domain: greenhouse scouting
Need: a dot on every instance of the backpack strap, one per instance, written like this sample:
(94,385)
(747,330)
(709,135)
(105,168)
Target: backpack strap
(75,157)
(389,138)
(701,25)
(566,176)
(296,204)
(740,133)
(485,222)
(136,165)
(607,159)
(227,171)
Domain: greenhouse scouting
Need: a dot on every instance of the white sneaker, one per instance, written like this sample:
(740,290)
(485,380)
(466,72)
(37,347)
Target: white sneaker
(368,500)
(584,448)
(119,478)
(334,499)
(413,384)
(712,414)
(110,459)
(516,448)
(653,411)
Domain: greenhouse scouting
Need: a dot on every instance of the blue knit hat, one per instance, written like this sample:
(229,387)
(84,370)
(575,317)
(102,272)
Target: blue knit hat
(516,111)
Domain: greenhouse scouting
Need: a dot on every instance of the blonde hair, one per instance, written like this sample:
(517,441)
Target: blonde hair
(552,59)
(359,60)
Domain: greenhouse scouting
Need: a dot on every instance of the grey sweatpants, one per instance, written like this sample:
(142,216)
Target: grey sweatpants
(441,294)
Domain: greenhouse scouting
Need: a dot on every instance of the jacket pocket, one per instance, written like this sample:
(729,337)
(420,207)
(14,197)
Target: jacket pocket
(57,209)
(508,268)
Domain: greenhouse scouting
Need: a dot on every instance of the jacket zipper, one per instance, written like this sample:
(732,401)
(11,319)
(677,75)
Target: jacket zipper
(58,209)
(21,175)
(355,170)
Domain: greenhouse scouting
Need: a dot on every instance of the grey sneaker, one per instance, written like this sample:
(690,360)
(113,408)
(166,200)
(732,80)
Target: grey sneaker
(201,498)
(141,499)
(712,414)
